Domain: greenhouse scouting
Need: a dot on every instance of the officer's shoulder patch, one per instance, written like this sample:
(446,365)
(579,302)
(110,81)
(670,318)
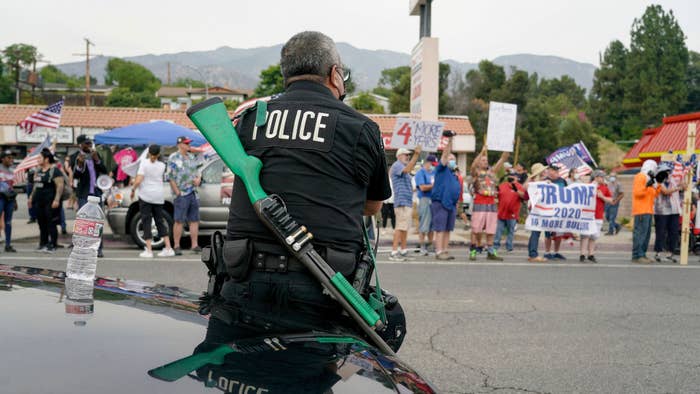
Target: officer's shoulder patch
(292,125)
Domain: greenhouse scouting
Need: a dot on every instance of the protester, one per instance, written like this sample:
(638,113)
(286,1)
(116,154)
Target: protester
(122,159)
(644,193)
(447,191)
(388,211)
(510,196)
(424,179)
(667,209)
(400,174)
(28,189)
(8,197)
(552,239)
(149,182)
(484,211)
(46,198)
(87,165)
(612,208)
(183,178)
(603,196)
(521,172)
(536,175)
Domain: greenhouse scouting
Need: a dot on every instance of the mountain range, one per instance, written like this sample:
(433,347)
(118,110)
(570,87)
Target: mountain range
(239,68)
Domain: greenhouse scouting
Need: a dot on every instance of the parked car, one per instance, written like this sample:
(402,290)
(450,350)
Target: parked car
(214,199)
(125,337)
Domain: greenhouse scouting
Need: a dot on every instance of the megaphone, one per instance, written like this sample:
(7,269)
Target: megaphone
(104,182)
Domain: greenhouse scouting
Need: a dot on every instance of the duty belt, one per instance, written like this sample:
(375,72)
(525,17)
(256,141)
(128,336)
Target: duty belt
(268,257)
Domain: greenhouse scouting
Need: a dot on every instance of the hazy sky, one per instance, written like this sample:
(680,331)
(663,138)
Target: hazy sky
(468,30)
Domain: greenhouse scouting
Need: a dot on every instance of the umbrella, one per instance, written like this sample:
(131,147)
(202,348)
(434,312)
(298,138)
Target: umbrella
(160,132)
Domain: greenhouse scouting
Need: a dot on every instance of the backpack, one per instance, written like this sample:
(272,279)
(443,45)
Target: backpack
(67,189)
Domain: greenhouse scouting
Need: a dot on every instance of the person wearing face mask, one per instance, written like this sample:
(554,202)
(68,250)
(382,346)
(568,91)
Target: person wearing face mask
(603,196)
(402,189)
(612,208)
(445,196)
(424,183)
(326,161)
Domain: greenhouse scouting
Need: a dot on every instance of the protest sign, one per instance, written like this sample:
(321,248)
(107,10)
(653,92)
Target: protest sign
(568,158)
(408,133)
(501,126)
(568,209)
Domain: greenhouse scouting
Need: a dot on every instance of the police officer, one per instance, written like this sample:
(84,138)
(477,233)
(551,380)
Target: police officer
(327,162)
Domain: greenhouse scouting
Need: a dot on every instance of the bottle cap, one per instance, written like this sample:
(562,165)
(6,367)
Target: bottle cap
(94,199)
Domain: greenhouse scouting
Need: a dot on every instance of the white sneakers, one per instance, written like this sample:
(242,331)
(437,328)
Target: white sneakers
(146,254)
(167,252)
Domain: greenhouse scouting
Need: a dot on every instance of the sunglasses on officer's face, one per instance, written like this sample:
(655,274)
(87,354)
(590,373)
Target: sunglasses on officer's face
(345,75)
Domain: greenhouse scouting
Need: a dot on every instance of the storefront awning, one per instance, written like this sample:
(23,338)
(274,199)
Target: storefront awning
(670,137)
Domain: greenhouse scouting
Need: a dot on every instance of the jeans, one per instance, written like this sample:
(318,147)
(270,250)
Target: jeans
(8,207)
(502,224)
(532,243)
(641,235)
(611,217)
(667,232)
(32,210)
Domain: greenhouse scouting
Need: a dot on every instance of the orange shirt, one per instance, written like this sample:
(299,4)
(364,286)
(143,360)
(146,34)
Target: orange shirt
(642,196)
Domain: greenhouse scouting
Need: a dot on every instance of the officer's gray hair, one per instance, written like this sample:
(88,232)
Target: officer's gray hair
(308,53)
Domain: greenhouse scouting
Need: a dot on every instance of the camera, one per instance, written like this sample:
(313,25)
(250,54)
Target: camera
(448,133)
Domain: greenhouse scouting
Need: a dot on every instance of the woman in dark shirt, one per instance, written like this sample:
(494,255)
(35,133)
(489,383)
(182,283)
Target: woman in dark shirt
(46,199)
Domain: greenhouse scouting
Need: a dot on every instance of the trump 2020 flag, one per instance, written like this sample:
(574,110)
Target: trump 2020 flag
(48,117)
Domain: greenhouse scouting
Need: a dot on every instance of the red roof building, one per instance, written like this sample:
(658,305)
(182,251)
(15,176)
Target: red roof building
(671,136)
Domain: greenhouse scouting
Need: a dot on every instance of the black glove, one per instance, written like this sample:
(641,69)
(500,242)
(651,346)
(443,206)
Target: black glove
(515,188)
(650,181)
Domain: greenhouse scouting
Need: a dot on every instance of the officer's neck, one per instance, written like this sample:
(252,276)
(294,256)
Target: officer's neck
(315,80)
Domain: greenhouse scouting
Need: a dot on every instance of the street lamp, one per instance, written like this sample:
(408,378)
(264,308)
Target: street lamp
(198,71)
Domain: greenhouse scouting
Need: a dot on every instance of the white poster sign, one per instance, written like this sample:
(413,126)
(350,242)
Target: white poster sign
(559,209)
(63,135)
(408,133)
(501,127)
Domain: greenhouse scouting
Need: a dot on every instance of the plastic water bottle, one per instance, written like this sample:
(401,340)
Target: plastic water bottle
(82,262)
(79,310)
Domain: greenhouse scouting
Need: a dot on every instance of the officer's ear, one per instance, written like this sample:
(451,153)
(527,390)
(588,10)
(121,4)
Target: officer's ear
(335,79)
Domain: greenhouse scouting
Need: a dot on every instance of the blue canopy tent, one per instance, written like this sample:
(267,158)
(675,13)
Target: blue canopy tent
(160,132)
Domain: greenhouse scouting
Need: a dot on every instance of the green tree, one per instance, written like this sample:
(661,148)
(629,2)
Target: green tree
(485,79)
(608,93)
(366,103)
(132,76)
(124,97)
(6,95)
(395,83)
(271,82)
(18,56)
(566,86)
(514,90)
(693,83)
(188,82)
(656,70)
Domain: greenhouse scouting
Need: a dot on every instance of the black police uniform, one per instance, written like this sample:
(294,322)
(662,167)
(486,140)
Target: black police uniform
(325,160)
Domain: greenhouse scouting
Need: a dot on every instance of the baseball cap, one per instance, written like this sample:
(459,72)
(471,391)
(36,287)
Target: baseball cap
(183,140)
(598,173)
(6,153)
(554,166)
(82,138)
(402,151)
(431,159)
(154,149)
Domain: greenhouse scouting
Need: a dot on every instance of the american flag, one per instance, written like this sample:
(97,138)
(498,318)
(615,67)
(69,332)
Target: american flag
(575,161)
(48,117)
(32,160)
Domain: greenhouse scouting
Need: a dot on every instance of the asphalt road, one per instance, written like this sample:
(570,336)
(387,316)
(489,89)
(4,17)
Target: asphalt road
(564,327)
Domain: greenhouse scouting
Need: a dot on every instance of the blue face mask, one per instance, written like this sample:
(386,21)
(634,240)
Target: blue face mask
(452,164)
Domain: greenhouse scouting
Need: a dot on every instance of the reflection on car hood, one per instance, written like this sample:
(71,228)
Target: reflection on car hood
(138,326)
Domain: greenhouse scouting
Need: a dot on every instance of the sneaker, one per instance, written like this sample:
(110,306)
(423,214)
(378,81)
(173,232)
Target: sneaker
(493,256)
(64,231)
(41,249)
(443,256)
(472,254)
(30,221)
(423,252)
(404,255)
(537,259)
(178,251)
(549,256)
(558,256)
(100,254)
(582,258)
(10,249)
(642,260)
(196,249)
(657,258)
(167,252)
(146,254)
(592,259)
(669,258)
(394,256)
(617,229)
(50,250)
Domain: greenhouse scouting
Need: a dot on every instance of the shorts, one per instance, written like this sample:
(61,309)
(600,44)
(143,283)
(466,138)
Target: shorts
(443,219)
(403,217)
(598,225)
(424,215)
(186,208)
(484,219)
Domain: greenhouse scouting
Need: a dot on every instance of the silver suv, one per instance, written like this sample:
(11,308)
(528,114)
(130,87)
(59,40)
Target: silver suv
(214,199)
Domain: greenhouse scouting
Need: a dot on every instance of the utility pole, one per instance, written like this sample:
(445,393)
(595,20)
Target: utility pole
(87,68)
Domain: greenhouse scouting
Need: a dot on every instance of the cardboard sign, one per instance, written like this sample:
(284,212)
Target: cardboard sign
(409,133)
(559,209)
(501,127)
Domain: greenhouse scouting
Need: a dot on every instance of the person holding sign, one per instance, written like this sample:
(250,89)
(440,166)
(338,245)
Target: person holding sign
(603,196)
(484,212)
(445,196)
(425,178)
(510,197)
(402,189)
(551,238)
